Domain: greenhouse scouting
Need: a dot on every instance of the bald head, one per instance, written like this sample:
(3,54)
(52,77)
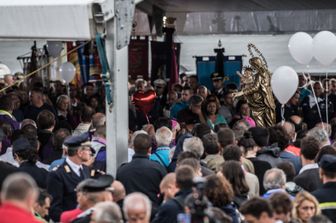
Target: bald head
(119,192)
(289,129)
(137,208)
(98,119)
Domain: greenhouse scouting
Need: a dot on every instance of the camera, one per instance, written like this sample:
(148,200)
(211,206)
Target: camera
(197,204)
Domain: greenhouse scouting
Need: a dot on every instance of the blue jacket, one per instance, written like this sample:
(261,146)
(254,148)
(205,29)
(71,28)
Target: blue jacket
(161,156)
(176,108)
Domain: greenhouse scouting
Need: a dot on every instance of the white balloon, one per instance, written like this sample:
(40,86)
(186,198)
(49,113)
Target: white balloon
(4,70)
(324,47)
(67,71)
(284,83)
(54,48)
(300,46)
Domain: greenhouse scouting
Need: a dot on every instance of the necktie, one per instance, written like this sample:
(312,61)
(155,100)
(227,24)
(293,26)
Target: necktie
(82,174)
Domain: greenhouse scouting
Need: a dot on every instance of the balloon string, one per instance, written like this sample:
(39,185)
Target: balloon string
(327,92)
(44,66)
(282,114)
(148,122)
(317,104)
(307,80)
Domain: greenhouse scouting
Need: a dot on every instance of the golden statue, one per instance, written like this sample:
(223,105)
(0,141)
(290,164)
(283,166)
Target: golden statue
(256,87)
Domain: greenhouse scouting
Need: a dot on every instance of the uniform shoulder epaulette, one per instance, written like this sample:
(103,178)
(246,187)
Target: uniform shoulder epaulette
(67,169)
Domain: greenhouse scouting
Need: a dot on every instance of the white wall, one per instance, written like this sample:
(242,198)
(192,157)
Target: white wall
(274,48)
(10,50)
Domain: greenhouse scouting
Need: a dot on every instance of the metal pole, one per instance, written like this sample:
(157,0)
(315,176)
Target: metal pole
(117,115)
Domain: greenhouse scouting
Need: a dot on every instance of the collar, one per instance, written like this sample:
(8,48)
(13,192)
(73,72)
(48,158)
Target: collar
(329,185)
(75,167)
(99,140)
(269,192)
(3,112)
(140,156)
(312,100)
(62,113)
(162,148)
(309,167)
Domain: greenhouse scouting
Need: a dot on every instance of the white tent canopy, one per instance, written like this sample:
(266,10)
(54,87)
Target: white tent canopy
(46,19)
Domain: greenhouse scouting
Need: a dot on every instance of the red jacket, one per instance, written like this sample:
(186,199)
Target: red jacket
(13,214)
(294,150)
(69,216)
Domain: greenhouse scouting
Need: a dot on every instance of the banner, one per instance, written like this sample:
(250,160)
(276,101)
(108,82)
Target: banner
(160,50)
(138,58)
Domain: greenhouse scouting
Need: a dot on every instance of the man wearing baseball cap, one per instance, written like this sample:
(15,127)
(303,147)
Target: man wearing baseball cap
(63,181)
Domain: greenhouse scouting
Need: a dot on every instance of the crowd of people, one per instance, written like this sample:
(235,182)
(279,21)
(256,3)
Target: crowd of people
(195,155)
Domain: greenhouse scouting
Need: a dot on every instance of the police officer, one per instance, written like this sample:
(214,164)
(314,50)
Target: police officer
(95,191)
(217,82)
(63,181)
(326,195)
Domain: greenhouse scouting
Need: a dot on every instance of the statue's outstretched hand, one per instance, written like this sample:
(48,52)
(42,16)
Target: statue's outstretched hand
(237,94)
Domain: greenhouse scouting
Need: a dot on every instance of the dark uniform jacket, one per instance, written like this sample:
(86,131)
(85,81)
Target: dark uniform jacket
(326,196)
(142,175)
(61,186)
(40,175)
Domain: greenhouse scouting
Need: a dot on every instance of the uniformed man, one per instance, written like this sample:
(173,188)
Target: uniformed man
(326,195)
(63,181)
(94,191)
(217,82)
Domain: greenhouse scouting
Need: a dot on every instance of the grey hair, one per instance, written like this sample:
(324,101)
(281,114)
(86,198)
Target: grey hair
(61,98)
(320,135)
(18,186)
(163,136)
(107,212)
(274,178)
(137,200)
(195,145)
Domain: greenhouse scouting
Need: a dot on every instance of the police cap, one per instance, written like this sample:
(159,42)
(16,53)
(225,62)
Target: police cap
(216,76)
(101,183)
(75,142)
(21,144)
(328,163)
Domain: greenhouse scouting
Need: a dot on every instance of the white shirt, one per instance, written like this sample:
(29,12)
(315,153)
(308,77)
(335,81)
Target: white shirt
(75,167)
(8,157)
